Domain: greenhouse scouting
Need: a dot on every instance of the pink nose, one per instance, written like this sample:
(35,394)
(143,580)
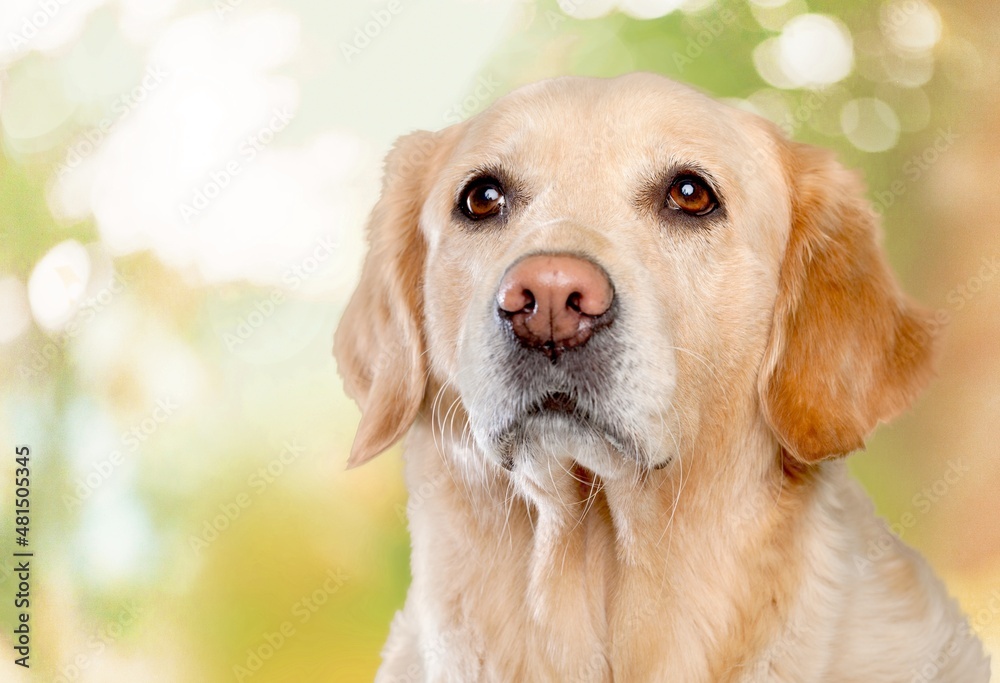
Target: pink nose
(554,301)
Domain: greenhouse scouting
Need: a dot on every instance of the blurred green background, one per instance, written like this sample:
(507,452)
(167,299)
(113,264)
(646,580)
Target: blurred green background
(183,187)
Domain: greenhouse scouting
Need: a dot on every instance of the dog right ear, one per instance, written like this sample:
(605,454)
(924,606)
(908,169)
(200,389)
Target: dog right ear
(379,343)
(848,349)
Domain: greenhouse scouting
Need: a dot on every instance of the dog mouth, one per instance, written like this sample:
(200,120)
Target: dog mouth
(556,402)
(552,412)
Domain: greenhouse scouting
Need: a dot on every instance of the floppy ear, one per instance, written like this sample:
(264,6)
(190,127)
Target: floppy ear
(379,343)
(847,349)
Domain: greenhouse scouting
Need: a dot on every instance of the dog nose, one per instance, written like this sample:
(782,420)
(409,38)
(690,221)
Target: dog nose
(555,301)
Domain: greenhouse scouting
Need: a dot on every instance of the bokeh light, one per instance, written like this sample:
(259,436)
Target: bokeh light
(815,50)
(185,186)
(649,9)
(57,284)
(15,315)
(870,124)
(912,25)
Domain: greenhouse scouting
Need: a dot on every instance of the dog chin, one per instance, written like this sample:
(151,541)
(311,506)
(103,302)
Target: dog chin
(536,440)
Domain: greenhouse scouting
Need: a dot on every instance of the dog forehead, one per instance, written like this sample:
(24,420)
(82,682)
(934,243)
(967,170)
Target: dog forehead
(636,120)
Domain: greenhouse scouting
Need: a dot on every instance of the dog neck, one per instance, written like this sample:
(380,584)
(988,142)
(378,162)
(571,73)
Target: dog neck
(649,563)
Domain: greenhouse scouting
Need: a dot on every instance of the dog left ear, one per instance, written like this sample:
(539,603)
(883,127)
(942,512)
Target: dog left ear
(847,349)
(379,343)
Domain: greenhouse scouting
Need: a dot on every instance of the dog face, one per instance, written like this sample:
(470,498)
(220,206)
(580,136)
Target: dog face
(593,206)
(604,271)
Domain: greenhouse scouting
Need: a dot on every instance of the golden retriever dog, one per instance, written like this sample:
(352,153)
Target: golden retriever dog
(629,333)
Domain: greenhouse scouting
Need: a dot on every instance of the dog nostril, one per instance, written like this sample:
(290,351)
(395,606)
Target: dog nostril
(515,299)
(573,302)
(530,304)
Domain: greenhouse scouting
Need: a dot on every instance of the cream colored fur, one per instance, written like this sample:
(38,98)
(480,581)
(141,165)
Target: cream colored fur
(755,350)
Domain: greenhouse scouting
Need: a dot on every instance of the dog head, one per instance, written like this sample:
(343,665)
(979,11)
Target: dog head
(608,270)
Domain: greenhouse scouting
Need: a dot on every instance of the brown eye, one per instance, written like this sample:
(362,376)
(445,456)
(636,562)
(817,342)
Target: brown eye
(692,196)
(482,198)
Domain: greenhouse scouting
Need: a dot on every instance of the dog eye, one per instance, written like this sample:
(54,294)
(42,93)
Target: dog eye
(482,198)
(691,195)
